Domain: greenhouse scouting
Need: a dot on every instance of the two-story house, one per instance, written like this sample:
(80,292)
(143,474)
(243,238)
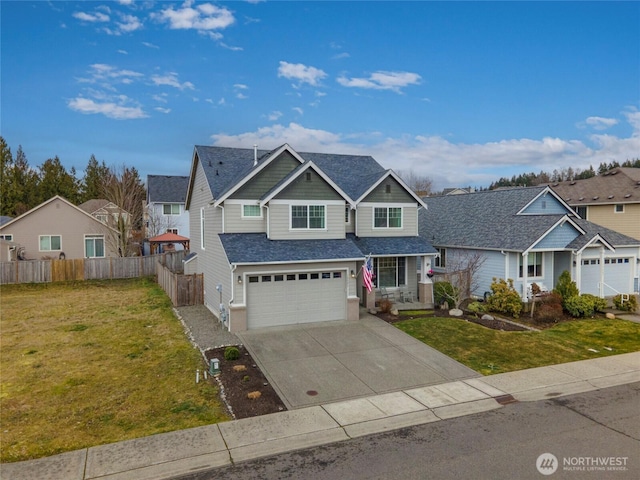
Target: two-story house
(165,210)
(610,199)
(529,235)
(281,236)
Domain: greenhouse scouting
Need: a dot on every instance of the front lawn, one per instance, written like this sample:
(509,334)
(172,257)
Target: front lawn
(88,363)
(493,351)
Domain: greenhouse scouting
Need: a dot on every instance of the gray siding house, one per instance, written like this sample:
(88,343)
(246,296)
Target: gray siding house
(281,236)
(165,210)
(529,235)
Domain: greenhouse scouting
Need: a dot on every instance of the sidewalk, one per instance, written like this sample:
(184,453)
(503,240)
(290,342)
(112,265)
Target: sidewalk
(188,451)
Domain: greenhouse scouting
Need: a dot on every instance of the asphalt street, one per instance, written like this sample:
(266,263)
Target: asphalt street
(587,435)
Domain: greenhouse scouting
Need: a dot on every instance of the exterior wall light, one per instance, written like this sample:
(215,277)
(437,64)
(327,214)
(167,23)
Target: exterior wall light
(239,279)
(353,274)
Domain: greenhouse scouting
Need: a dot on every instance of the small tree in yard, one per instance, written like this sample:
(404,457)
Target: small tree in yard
(462,270)
(566,287)
(504,298)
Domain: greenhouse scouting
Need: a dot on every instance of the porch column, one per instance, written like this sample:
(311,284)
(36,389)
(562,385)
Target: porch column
(425,285)
(601,292)
(577,274)
(525,277)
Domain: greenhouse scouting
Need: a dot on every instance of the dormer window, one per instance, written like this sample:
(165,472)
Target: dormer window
(171,209)
(251,211)
(387,217)
(308,217)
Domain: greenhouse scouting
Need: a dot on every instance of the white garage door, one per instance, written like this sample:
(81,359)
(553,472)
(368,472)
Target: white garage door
(291,298)
(617,276)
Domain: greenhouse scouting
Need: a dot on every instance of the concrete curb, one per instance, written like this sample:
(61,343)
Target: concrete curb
(188,451)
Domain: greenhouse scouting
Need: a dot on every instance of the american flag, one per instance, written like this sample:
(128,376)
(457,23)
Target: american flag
(367,274)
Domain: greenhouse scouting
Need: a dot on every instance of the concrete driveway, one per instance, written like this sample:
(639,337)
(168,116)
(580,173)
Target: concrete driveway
(311,364)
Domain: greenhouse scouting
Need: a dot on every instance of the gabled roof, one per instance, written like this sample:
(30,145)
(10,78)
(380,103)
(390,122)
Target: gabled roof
(296,173)
(47,202)
(167,188)
(619,185)
(491,220)
(392,174)
(227,169)
(95,204)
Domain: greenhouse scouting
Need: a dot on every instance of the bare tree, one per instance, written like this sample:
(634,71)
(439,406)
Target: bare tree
(123,188)
(158,224)
(420,184)
(462,270)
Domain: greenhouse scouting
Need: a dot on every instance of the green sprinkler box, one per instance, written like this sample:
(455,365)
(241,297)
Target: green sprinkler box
(214,366)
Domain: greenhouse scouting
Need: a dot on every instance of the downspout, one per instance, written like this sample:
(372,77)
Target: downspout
(506,263)
(268,221)
(601,271)
(222,208)
(233,290)
(525,275)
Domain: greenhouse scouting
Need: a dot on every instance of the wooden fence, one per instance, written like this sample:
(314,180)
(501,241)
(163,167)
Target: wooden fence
(182,289)
(42,271)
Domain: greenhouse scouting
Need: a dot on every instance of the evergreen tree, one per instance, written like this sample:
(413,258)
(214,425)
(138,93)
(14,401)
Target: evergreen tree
(55,180)
(95,176)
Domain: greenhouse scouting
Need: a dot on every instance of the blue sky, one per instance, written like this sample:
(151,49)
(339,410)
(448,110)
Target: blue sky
(463,93)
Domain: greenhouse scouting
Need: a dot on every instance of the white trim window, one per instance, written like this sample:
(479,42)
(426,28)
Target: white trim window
(308,217)
(94,246)
(171,209)
(251,211)
(8,237)
(618,208)
(390,271)
(441,260)
(534,265)
(387,217)
(50,243)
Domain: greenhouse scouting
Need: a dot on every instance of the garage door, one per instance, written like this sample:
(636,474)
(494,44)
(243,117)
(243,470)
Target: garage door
(292,298)
(617,276)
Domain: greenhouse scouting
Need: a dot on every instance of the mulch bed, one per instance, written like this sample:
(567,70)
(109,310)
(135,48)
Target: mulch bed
(237,383)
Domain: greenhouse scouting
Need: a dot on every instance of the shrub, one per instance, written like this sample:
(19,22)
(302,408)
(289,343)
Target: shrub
(385,305)
(599,304)
(548,313)
(477,308)
(444,292)
(629,305)
(579,306)
(566,287)
(504,298)
(231,353)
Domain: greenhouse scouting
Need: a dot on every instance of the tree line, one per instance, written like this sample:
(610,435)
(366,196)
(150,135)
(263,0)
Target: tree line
(532,179)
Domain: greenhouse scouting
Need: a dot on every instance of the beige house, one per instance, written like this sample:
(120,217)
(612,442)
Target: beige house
(58,229)
(611,199)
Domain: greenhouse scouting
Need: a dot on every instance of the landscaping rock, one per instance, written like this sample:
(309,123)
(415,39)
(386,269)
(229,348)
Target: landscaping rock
(610,316)
(487,317)
(395,311)
(456,312)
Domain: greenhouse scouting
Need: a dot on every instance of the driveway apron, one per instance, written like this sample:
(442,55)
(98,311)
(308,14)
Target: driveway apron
(311,364)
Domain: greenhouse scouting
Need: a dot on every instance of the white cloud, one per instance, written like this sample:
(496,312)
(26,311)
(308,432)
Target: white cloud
(601,123)
(108,109)
(447,163)
(204,17)
(129,23)
(382,80)
(108,75)
(275,115)
(162,110)
(123,52)
(91,17)
(298,110)
(301,73)
(150,45)
(171,79)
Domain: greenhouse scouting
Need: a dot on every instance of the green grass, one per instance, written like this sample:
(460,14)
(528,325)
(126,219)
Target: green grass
(88,363)
(491,351)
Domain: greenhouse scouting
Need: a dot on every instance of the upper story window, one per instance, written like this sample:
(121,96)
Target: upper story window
(618,208)
(102,217)
(171,209)
(582,212)
(441,260)
(172,230)
(308,216)
(7,237)
(49,243)
(387,217)
(534,265)
(251,211)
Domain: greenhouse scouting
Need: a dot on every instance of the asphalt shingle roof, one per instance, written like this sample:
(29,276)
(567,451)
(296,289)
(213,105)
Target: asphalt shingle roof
(224,167)
(620,185)
(167,188)
(393,246)
(489,220)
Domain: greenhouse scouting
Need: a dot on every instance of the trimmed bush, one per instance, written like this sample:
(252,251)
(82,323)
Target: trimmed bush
(628,306)
(231,353)
(477,308)
(504,298)
(444,292)
(385,305)
(579,306)
(599,304)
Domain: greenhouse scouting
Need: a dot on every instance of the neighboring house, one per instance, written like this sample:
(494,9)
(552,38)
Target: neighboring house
(281,236)
(104,210)
(165,210)
(529,235)
(611,199)
(58,229)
